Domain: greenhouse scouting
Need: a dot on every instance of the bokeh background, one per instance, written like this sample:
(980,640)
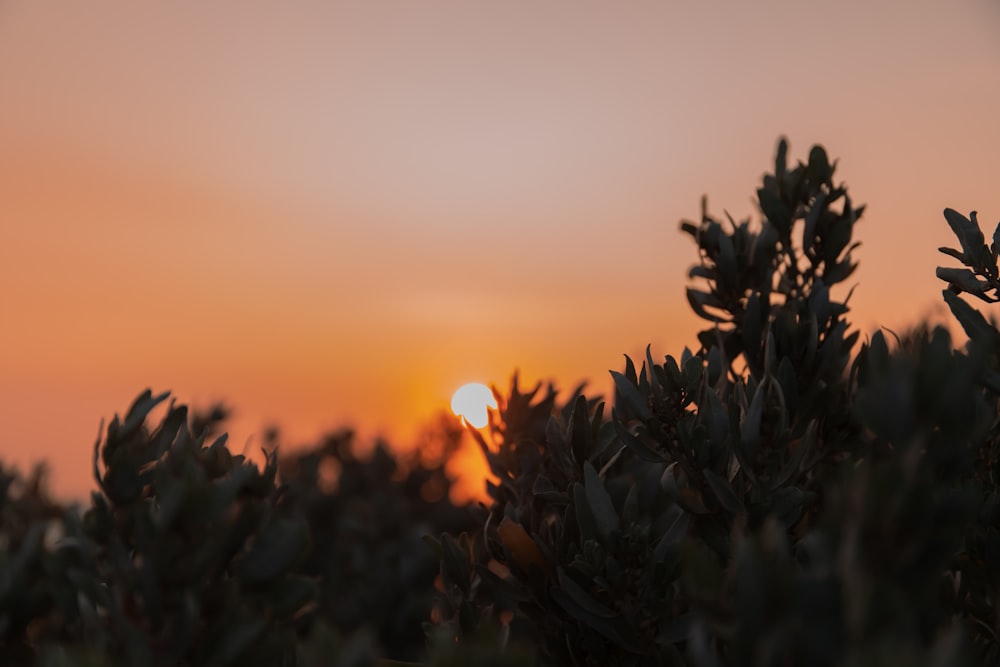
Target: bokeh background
(332,213)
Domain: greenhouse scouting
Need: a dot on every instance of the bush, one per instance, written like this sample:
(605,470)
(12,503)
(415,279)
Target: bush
(368,516)
(767,499)
(785,494)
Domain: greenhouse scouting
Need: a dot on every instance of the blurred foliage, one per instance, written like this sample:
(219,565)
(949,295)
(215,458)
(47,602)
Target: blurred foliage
(368,516)
(786,494)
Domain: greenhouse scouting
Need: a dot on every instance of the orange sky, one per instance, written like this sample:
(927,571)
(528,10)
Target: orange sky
(339,213)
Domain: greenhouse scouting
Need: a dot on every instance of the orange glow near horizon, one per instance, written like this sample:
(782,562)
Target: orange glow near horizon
(334,216)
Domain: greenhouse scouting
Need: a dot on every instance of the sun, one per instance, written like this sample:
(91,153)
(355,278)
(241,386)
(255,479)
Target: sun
(471,402)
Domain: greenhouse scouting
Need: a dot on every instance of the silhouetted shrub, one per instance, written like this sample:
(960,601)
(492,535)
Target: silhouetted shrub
(368,516)
(774,498)
(768,499)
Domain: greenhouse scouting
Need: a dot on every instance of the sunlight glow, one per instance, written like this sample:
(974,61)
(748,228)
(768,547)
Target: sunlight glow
(471,402)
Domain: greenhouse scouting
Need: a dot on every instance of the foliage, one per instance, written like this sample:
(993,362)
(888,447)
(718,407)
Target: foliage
(368,516)
(190,555)
(768,499)
(785,494)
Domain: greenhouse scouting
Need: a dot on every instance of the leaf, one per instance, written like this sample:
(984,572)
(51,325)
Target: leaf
(693,370)
(775,211)
(140,408)
(629,394)
(781,160)
(700,271)
(750,429)
(673,374)
(802,450)
(654,377)
(769,353)
(580,435)
(630,371)
(613,628)
(752,327)
(972,321)
(715,417)
(728,268)
(582,598)
(168,430)
(963,278)
(968,233)
(714,365)
(601,507)
(544,489)
(700,301)
(637,446)
(954,253)
(727,497)
(523,548)
(764,248)
(819,170)
(788,383)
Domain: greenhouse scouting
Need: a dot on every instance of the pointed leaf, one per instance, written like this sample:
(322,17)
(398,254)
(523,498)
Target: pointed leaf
(601,507)
(641,449)
(582,598)
(725,494)
(629,395)
(963,278)
(968,233)
(700,301)
(954,253)
(750,429)
(972,321)
(775,211)
(580,435)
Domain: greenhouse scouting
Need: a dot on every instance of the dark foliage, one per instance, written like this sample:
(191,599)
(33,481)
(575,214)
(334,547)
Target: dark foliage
(767,500)
(787,494)
(368,516)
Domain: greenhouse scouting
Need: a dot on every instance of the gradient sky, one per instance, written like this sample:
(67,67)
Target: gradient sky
(330,213)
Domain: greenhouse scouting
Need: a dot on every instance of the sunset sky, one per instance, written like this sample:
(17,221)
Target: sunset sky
(331,213)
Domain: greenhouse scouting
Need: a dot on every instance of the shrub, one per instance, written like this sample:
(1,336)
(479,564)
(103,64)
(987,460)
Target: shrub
(768,499)
(781,495)
(367,517)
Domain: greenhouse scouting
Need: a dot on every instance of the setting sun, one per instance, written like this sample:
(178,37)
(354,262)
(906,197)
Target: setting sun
(471,402)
